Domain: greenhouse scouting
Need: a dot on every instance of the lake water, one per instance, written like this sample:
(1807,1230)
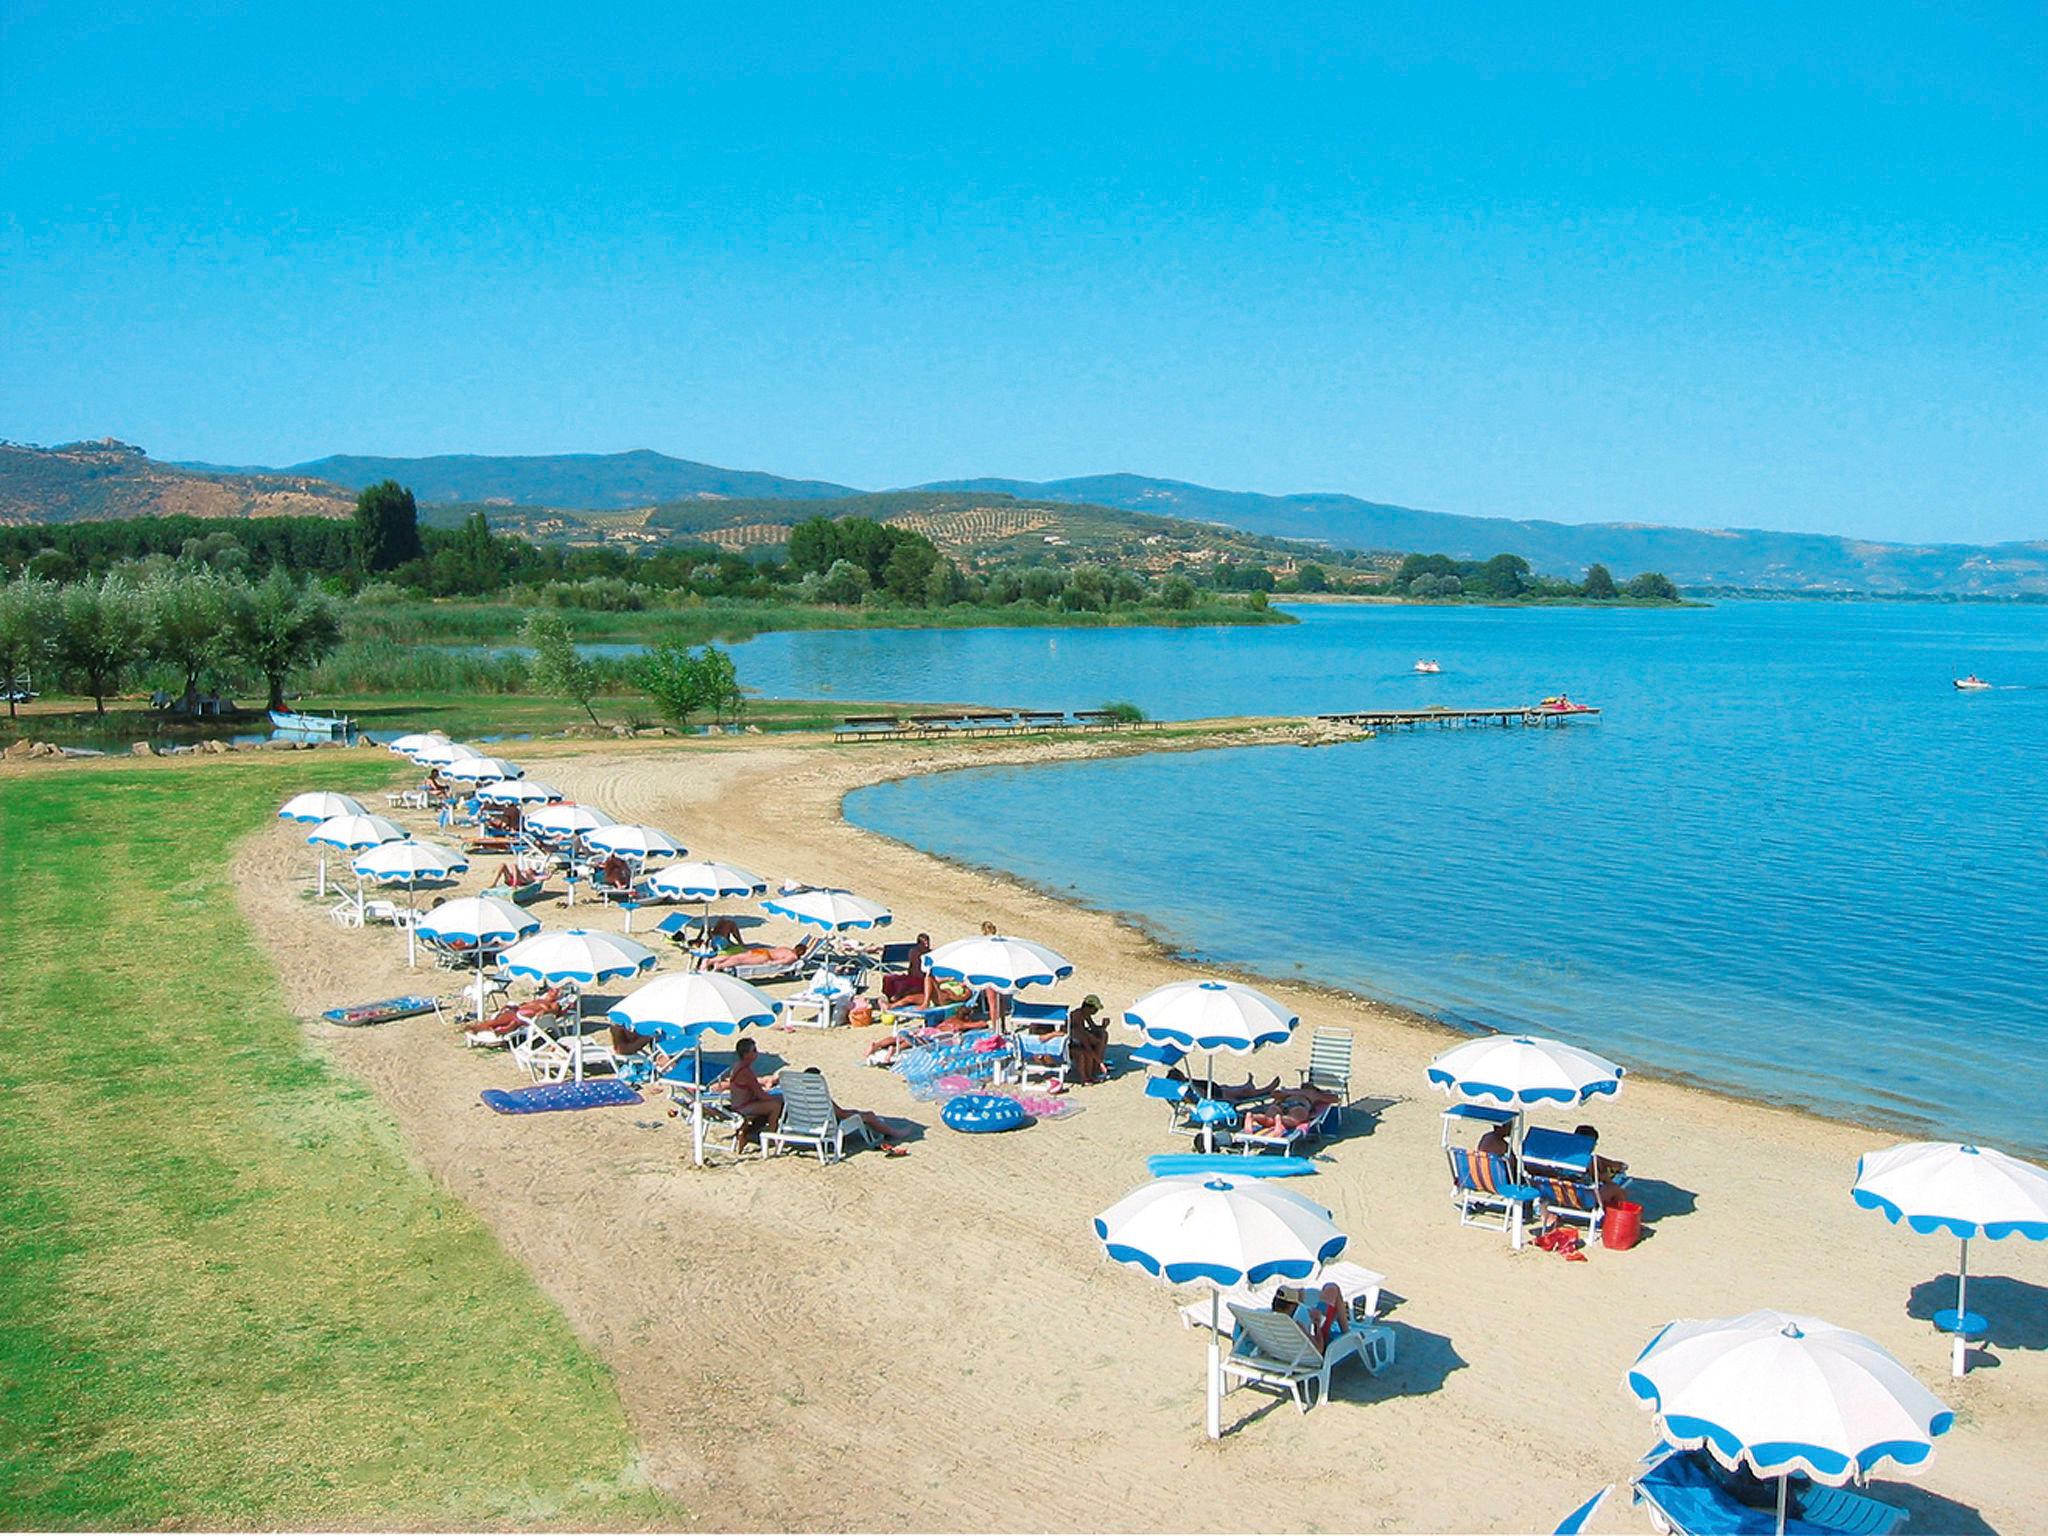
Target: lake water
(1791,859)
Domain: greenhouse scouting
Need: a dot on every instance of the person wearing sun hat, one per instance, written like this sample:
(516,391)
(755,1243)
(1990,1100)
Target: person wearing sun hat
(1087,1039)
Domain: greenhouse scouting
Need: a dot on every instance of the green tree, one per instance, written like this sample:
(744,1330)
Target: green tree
(1312,578)
(1087,590)
(1504,576)
(844,584)
(1599,582)
(188,615)
(387,528)
(28,631)
(1041,584)
(683,682)
(102,631)
(1177,592)
(281,624)
(908,569)
(945,586)
(1653,584)
(557,665)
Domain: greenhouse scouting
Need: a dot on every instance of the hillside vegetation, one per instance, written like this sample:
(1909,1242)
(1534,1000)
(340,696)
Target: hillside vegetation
(86,482)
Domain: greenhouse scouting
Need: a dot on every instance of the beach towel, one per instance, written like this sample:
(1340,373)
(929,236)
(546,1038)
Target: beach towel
(379,1013)
(543,1098)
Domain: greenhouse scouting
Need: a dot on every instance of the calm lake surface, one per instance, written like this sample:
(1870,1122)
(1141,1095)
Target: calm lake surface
(1791,859)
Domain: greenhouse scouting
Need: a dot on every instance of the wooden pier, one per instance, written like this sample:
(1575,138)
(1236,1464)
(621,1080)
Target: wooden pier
(1409,719)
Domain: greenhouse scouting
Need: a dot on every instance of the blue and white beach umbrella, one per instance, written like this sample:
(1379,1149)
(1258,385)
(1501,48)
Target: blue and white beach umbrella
(704,881)
(1783,1394)
(577,955)
(483,770)
(440,753)
(998,961)
(480,924)
(1965,1191)
(415,742)
(408,863)
(565,818)
(319,806)
(834,910)
(1220,1231)
(1520,1071)
(1211,1016)
(518,792)
(632,840)
(681,1010)
(351,831)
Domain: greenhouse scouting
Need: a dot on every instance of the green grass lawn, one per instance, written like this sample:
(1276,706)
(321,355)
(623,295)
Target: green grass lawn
(226,1299)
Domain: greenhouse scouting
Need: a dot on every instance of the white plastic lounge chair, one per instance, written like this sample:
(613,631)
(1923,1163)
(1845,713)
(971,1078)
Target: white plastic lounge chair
(807,1119)
(1275,1352)
(1359,1286)
(1329,1065)
(1043,1056)
(1286,1138)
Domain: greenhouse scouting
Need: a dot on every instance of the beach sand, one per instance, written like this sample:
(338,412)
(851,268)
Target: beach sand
(935,1342)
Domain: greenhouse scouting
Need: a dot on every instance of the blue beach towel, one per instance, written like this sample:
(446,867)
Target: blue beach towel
(542,1098)
(380,1012)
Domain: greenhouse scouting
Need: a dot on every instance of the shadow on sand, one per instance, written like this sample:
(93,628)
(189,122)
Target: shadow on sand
(2015,1312)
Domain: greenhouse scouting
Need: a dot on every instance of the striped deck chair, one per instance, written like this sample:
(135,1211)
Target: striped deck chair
(1329,1065)
(1487,1193)
(1570,1200)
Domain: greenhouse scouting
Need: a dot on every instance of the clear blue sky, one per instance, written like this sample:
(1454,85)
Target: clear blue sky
(1772,266)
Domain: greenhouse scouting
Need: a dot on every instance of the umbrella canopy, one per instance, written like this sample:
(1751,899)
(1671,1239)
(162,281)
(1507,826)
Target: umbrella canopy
(631,840)
(1942,1186)
(408,862)
(998,961)
(1225,1231)
(518,792)
(479,922)
(578,955)
(704,880)
(830,909)
(1784,1394)
(484,770)
(415,742)
(1518,1071)
(441,752)
(1211,1016)
(565,817)
(354,831)
(319,806)
(1939,1186)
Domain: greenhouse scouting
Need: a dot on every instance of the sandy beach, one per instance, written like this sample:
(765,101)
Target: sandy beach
(935,1342)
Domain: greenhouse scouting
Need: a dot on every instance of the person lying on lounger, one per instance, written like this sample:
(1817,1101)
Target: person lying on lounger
(1228,1093)
(891,1137)
(1292,1109)
(518,872)
(737,959)
(516,1016)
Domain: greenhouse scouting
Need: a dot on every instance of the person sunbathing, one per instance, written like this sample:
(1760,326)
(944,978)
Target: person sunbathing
(892,1138)
(1229,1093)
(613,874)
(722,931)
(1607,1172)
(915,984)
(514,1017)
(780,954)
(751,1096)
(517,872)
(1293,1109)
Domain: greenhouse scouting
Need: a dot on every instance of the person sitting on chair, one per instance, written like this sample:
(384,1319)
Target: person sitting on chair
(1087,1041)
(914,983)
(614,873)
(1607,1173)
(1495,1143)
(891,1137)
(751,1096)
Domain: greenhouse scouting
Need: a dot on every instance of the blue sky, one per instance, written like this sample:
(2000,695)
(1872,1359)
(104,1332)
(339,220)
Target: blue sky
(1769,266)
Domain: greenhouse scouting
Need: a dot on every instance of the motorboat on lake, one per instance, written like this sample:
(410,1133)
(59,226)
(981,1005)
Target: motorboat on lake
(311,725)
(1561,704)
(1427,666)
(1971,683)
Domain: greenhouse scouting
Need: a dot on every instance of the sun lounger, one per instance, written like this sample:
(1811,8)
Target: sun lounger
(1685,1498)
(1329,1065)
(1487,1194)
(1276,1352)
(1569,1200)
(808,1119)
(380,1012)
(1178,1096)
(1284,1139)
(1359,1286)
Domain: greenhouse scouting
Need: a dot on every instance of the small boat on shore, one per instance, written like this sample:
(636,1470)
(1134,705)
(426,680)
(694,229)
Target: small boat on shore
(1971,683)
(312,725)
(1427,666)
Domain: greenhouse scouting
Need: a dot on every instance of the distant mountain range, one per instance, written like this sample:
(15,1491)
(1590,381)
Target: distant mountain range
(586,481)
(110,479)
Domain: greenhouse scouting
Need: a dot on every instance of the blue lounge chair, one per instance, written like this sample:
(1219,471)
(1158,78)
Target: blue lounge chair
(1683,1492)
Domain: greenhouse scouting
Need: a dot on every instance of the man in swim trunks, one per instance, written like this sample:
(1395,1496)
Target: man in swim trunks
(752,1096)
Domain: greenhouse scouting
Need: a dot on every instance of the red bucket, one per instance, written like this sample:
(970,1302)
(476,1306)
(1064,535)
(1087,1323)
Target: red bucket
(1621,1225)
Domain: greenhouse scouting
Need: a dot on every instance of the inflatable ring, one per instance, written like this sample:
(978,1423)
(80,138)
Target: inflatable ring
(977,1114)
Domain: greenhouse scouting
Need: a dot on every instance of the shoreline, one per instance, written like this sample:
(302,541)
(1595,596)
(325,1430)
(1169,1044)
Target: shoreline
(892,1330)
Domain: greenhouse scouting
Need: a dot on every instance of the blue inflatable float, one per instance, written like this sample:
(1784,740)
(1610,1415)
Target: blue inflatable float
(979,1113)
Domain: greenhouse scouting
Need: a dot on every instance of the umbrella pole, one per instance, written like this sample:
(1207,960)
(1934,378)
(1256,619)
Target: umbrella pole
(322,892)
(412,917)
(576,1046)
(1784,1483)
(1209,1125)
(1215,1363)
(1959,1351)
(697,1103)
(479,976)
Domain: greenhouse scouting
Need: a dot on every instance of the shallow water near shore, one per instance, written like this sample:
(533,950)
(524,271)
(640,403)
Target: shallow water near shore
(1791,859)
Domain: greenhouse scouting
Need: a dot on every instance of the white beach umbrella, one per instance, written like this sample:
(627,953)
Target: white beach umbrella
(828,908)
(1782,1394)
(1211,1016)
(998,961)
(1943,1186)
(681,1010)
(565,818)
(483,770)
(518,792)
(579,955)
(440,753)
(1223,1231)
(480,923)
(632,840)
(349,832)
(705,881)
(409,863)
(414,743)
(318,806)
(1518,1071)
